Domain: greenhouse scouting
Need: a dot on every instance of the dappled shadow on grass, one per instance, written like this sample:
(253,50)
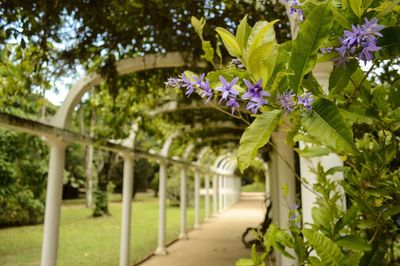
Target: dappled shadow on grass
(92,241)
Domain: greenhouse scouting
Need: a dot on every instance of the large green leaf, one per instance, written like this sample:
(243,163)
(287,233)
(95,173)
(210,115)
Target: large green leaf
(261,33)
(326,124)
(326,249)
(243,33)
(354,243)
(389,43)
(262,61)
(340,76)
(229,41)
(313,34)
(256,136)
(356,6)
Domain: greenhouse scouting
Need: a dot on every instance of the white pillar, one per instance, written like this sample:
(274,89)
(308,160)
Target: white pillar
(162,195)
(220,193)
(196,199)
(207,203)
(215,194)
(183,203)
(53,202)
(282,175)
(225,191)
(308,199)
(127,190)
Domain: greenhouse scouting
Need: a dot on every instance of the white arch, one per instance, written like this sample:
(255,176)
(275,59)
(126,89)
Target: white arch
(63,116)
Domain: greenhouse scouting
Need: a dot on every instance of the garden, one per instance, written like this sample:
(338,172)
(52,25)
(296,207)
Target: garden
(296,99)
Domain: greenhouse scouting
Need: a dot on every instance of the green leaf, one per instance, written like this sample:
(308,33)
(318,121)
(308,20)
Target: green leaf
(244,262)
(341,19)
(262,61)
(356,6)
(311,84)
(354,243)
(262,33)
(348,217)
(315,261)
(393,210)
(340,76)
(313,34)
(229,41)
(354,260)
(326,249)
(389,43)
(198,25)
(243,33)
(208,51)
(355,117)
(321,217)
(256,136)
(326,124)
(310,152)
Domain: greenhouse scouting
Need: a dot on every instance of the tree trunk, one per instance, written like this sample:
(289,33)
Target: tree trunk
(101,208)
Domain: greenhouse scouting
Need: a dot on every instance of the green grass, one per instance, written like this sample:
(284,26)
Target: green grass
(93,241)
(254,187)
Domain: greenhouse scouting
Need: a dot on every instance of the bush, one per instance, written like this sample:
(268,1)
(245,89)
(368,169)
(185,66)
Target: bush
(174,186)
(19,207)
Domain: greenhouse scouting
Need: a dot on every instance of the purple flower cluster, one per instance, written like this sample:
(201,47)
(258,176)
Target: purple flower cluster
(360,42)
(255,96)
(294,8)
(190,86)
(288,100)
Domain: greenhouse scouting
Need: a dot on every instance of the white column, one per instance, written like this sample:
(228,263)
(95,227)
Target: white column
(207,203)
(53,202)
(225,191)
(196,199)
(183,203)
(220,193)
(282,175)
(127,190)
(162,195)
(215,194)
(308,199)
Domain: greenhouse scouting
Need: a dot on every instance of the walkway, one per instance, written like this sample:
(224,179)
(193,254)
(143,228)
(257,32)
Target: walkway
(218,241)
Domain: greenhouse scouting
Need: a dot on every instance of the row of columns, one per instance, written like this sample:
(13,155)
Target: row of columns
(54,200)
(224,190)
(227,191)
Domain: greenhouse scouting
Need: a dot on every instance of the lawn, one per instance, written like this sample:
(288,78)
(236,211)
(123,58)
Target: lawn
(92,241)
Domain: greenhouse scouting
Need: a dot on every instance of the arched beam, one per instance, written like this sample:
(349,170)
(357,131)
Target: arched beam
(63,116)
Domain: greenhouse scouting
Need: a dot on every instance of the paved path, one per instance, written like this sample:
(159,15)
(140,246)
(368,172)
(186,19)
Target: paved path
(218,241)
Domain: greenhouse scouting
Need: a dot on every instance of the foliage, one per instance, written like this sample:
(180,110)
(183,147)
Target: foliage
(356,118)
(23,171)
(174,186)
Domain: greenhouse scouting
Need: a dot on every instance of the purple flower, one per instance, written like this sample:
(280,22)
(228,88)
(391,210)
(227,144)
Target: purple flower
(371,27)
(188,84)
(360,42)
(286,100)
(173,82)
(206,91)
(198,80)
(255,91)
(306,100)
(232,102)
(255,104)
(294,8)
(227,88)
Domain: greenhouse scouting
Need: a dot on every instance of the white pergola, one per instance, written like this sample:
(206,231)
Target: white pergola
(225,186)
